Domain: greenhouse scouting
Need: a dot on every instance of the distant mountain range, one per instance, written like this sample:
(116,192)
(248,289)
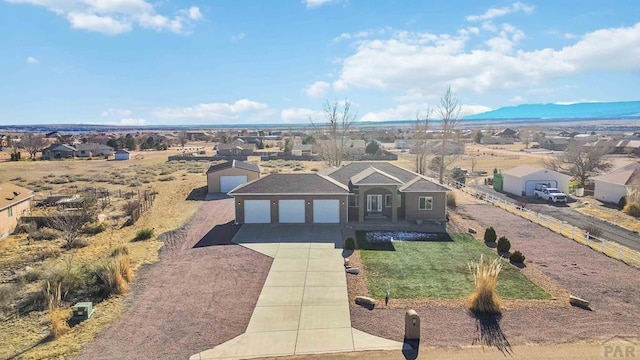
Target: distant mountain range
(590,110)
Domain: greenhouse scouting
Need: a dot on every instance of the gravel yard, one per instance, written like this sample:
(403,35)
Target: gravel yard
(610,286)
(194,298)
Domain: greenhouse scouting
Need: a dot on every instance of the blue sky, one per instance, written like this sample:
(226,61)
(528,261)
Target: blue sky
(143,62)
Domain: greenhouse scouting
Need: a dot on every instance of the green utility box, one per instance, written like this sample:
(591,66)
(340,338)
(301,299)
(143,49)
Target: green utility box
(82,310)
(497,182)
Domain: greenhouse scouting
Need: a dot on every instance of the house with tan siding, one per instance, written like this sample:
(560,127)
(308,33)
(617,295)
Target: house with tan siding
(15,201)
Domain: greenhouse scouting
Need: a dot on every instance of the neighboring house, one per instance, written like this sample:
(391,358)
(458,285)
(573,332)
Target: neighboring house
(585,137)
(59,151)
(224,177)
(235,149)
(122,155)
(435,147)
(14,202)
(354,147)
(496,140)
(302,150)
(93,149)
(356,192)
(523,179)
(612,187)
(403,144)
(555,143)
(507,133)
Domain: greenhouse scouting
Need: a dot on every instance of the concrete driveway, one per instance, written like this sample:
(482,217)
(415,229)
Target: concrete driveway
(289,233)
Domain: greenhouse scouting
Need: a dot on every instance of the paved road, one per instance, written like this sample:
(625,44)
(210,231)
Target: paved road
(565,213)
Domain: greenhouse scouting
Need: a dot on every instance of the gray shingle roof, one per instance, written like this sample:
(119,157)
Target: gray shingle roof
(420,184)
(373,176)
(292,184)
(234,164)
(344,173)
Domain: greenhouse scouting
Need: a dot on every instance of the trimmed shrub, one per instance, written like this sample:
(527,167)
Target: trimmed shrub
(143,234)
(484,298)
(516,257)
(490,235)
(504,245)
(349,244)
(632,209)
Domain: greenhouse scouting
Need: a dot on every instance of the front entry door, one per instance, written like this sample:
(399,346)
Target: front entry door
(374,203)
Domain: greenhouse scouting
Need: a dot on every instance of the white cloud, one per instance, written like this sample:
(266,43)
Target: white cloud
(317,89)
(114,17)
(431,62)
(241,109)
(116,112)
(494,13)
(131,122)
(361,34)
(237,37)
(32,60)
(408,111)
(516,99)
(298,115)
(318,3)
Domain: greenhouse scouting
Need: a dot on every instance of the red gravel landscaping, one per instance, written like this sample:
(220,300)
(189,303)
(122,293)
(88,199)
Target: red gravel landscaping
(610,285)
(196,297)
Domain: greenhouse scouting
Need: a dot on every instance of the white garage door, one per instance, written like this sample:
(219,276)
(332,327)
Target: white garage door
(257,212)
(228,183)
(291,211)
(326,211)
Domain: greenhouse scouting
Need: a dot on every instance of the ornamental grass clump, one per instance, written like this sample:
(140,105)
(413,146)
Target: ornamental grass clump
(484,298)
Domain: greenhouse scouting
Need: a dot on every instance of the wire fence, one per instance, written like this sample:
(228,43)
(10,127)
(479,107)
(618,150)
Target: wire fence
(610,248)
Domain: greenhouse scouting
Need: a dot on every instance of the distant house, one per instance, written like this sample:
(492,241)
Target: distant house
(302,150)
(507,133)
(236,149)
(403,144)
(555,143)
(523,179)
(59,151)
(122,155)
(496,140)
(355,147)
(92,149)
(52,135)
(612,187)
(585,137)
(14,202)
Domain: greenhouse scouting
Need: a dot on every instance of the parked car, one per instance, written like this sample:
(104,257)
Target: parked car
(549,194)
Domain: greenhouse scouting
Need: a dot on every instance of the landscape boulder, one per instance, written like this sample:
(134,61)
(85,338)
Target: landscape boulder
(353,271)
(365,301)
(346,262)
(576,301)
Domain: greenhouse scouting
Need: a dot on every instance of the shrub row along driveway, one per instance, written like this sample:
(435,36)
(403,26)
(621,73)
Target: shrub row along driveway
(609,284)
(567,214)
(197,296)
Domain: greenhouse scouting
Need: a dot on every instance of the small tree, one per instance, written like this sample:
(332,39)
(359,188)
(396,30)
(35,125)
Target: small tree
(448,110)
(70,223)
(474,163)
(373,148)
(579,160)
(339,119)
(419,146)
(183,137)
(504,245)
(477,137)
(33,143)
(490,235)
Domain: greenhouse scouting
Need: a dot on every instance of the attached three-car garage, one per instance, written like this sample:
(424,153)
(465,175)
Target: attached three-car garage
(291,199)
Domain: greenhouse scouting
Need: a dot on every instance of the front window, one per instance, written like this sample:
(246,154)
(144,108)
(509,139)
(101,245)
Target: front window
(353,200)
(387,200)
(425,203)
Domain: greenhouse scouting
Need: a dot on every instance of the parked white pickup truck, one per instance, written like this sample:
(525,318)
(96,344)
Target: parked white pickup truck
(549,194)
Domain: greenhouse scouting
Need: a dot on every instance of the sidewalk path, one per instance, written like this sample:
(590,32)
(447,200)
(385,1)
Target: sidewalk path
(303,308)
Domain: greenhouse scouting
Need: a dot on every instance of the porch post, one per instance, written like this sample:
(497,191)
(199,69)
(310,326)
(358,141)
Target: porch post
(361,203)
(394,204)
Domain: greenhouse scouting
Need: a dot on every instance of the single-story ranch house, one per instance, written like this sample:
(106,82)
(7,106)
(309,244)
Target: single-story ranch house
(523,179)
(224,177)
(91,149)
(355,192)
(14,202)
(612,187)
(122,155)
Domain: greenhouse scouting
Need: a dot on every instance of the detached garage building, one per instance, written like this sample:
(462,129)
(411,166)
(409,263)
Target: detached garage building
(523,179)
(224,177)
(290,199)
(613,187)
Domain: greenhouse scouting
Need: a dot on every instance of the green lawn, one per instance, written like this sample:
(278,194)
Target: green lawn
(436,269)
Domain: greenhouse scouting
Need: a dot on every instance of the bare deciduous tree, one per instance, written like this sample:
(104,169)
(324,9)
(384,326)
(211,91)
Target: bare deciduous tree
(579,160)
(338,122)
(419,146)
(449,111)
(183,137)
(474,162)
(71,222)
(33,143)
